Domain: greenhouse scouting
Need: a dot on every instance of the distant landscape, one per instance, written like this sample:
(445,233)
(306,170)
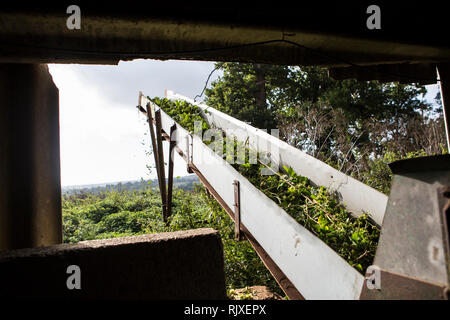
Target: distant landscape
(186,183)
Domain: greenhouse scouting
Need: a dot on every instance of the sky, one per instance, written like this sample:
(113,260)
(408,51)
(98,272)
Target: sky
(103,136)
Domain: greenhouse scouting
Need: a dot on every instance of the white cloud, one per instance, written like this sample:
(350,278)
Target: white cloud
(103,137)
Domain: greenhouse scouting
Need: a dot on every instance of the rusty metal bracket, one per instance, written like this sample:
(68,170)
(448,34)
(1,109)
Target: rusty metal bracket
(237,211)
(157,137)
(170,178)
(154,144)
(400,287)
(189,155)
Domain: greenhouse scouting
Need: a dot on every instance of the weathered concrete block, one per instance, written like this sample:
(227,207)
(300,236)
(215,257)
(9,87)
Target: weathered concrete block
(176,265)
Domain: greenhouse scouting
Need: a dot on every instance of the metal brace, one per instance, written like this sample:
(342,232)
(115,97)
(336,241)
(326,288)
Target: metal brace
(162,175)
(172,144)
(237,211)
(189,150)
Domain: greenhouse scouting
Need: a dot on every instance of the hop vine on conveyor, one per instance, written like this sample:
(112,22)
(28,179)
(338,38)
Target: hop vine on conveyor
(314,207)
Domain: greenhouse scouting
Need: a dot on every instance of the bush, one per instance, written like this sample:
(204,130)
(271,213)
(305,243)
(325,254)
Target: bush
(354,239)
(114,214)
(378,175)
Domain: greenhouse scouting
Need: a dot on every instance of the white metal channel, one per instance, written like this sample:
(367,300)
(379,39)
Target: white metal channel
(313,267)
(182,137)
(356,196)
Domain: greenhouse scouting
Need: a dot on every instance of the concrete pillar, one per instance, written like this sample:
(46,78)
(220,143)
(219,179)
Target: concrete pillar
(413,251)
(444,75)
(30,186)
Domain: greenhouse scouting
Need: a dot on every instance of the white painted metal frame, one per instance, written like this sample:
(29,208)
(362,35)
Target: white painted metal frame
(314,268)
(356,196)
(182,137)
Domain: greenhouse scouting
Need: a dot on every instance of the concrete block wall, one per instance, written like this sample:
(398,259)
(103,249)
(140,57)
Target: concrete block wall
(30,180)
(169,266)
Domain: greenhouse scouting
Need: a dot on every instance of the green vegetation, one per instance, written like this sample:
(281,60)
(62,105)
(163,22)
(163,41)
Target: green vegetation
(354,126)
(182,112)
(354,239)
(111,213)
(379,176)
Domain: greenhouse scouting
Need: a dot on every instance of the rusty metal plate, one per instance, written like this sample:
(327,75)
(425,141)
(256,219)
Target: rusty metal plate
(398,287)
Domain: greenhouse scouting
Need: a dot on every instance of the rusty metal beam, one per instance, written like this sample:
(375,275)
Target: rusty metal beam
(157,154)
(162,173)
(170,178)
(237,211)
(155,149)
(285,284)
(167,209)
(167,138)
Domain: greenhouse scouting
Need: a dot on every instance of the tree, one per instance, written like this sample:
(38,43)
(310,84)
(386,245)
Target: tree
(344,123)
(247,91)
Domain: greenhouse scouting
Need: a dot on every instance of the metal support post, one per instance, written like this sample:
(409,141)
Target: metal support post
(237,211)
(162,174)
(170,181)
